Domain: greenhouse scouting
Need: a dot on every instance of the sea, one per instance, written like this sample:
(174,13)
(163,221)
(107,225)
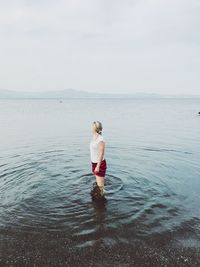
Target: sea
(151,216)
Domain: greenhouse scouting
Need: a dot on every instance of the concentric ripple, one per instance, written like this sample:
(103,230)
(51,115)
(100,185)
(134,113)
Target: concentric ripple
(45,191)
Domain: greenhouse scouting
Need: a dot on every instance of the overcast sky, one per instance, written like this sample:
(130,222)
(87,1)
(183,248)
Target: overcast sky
(150,46)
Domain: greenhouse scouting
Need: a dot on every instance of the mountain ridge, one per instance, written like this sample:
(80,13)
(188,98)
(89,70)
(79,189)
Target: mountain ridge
(74,93)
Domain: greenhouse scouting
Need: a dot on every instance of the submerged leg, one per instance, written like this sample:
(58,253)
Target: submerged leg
(98,190)
(100,182)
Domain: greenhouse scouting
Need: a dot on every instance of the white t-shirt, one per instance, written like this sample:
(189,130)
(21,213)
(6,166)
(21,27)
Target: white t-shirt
(94,152)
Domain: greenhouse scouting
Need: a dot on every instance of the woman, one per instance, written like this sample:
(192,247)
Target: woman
(97,151)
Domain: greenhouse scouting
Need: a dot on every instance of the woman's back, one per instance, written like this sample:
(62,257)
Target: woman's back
(94,148)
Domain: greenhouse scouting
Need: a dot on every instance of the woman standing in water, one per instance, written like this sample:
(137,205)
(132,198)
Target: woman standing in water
(97,152)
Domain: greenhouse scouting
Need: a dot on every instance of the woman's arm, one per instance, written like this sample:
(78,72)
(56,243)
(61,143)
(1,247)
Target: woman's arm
(101,148)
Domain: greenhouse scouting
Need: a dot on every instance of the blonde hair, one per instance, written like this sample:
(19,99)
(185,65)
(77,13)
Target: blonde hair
(98,127)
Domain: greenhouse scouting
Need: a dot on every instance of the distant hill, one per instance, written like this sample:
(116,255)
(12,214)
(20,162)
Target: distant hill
(72,93)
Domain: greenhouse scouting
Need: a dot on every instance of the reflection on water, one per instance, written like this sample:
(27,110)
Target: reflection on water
(152,182)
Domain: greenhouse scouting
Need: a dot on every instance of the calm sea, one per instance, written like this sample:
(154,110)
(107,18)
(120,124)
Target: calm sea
(152,212)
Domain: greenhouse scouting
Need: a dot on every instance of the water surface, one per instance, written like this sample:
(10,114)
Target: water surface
(152,182)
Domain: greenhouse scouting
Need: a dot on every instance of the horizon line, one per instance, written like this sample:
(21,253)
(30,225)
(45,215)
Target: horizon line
(113,93)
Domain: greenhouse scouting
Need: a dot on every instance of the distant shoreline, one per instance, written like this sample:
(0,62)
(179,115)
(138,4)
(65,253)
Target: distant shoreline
(87,98)
(78,94)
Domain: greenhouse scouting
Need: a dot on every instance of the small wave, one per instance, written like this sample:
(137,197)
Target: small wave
(165,150)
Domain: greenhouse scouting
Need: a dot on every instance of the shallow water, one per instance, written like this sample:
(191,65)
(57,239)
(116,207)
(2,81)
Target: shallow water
(152,180)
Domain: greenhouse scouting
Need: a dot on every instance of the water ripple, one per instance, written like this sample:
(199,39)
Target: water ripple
(48,190)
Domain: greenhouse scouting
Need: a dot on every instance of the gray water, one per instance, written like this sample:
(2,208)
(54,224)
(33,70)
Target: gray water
(152,179)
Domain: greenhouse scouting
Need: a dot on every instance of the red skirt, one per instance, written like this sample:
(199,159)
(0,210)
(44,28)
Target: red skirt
(102,168)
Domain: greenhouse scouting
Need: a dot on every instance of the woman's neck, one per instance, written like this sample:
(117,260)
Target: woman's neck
(95,135)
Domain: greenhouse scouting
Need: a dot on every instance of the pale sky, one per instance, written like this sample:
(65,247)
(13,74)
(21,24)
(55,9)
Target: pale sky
(122,46)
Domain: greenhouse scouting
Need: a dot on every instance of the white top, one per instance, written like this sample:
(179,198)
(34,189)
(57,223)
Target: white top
(94,152)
